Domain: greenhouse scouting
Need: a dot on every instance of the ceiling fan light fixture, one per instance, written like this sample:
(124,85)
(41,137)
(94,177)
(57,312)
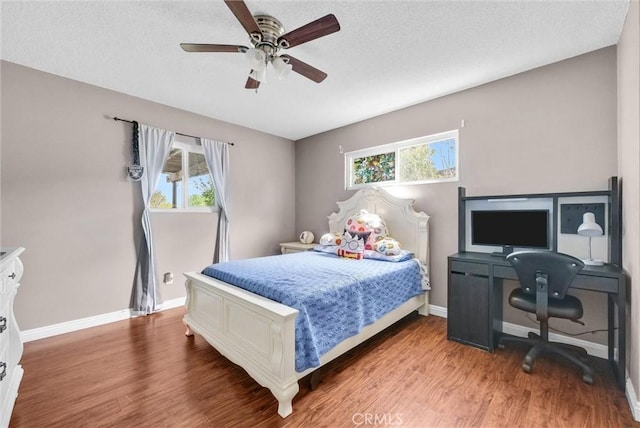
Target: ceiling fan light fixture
(268,36)
(281,67)
(258,75)
(256,58)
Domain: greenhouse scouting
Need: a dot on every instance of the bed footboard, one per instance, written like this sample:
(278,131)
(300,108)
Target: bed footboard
(256,333)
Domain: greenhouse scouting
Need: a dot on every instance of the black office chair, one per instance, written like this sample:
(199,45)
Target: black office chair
(544,279)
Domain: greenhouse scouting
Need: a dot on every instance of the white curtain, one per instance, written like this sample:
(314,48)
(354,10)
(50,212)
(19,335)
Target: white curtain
(216,153)
(155,146)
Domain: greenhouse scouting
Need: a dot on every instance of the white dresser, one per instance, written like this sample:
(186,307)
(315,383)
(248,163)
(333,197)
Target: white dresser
(10,344)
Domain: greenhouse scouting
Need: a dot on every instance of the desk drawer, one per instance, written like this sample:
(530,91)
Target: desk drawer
(466,267)
(581,281)
(506,272)
(596,283)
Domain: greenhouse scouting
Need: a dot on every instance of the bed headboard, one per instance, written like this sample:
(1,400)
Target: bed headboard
(404,223)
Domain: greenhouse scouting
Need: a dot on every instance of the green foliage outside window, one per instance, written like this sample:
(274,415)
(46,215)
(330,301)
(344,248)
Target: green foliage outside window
(416,163)
(205,197)
(428,159)
(185,182)
(158,200)
(374,169)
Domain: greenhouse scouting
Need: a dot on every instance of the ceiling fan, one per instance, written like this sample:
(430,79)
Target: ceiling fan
(268,36)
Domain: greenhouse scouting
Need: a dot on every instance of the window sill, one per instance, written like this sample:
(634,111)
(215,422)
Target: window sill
(184,210)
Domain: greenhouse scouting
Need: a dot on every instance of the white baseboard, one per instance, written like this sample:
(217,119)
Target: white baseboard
(80,324)
(439,311)
(632,398)
(595,349)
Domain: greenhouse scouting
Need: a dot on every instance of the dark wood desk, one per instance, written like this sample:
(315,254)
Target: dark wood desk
(474,314)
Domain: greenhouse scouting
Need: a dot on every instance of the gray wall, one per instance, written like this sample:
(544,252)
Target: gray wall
(67,200)
(629,167)
(65,196)
(552,129)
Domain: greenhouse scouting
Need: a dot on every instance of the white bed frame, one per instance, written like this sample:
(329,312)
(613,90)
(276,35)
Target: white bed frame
(258,334)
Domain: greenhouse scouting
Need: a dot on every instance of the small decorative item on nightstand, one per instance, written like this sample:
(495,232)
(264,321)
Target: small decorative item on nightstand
(306,237)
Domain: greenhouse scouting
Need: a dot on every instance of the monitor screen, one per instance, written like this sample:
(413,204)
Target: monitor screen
(512,228)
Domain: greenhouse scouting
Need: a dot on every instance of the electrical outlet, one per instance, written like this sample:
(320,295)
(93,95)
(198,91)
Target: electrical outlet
(168,278)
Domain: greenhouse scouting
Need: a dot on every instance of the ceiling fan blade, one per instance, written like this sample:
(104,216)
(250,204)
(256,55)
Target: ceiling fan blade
(320,27)
(305,69)
(204,47)
(252,83)
(243,14)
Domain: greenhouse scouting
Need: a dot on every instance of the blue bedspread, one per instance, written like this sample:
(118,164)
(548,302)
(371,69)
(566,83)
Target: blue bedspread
(336,297)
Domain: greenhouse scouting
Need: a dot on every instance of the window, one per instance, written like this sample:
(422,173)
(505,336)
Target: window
(429,159)
(185,184)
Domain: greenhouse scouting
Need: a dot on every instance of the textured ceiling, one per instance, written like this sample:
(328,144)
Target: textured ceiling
(388,54)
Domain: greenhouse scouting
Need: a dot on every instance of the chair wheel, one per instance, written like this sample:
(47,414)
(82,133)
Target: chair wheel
(526,367)
(588,379)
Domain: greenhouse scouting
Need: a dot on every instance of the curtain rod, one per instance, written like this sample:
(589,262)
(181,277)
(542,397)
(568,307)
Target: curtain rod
(179,133)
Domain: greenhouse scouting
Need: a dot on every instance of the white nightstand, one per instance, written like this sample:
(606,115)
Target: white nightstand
(295,247)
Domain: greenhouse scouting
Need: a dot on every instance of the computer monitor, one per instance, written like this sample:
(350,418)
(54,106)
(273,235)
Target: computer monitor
(510,228)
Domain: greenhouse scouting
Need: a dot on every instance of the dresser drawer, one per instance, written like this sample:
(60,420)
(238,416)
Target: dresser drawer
(4,373)
(5,281)
(11,348)
(9,278)
(5,324)
(5,367)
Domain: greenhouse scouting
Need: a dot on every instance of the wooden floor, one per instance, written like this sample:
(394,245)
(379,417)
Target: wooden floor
(144,372)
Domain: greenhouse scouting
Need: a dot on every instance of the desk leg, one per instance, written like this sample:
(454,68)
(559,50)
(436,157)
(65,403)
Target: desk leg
(617,302)
(611,326)
(496,312)
(622,332)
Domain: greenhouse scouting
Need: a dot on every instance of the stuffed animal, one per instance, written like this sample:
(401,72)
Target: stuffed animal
(388,246)
(351,246)
(369,227)
(330,239)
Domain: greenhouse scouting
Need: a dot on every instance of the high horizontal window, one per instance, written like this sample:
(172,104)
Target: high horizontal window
(185,184)
(429,159)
